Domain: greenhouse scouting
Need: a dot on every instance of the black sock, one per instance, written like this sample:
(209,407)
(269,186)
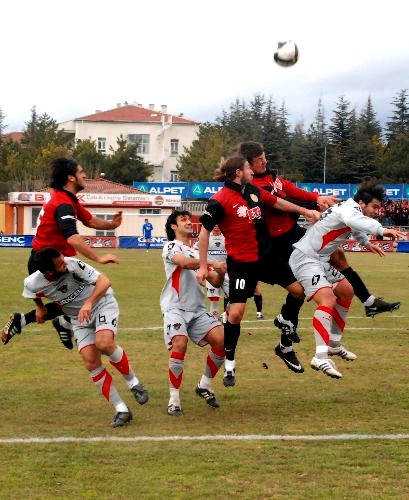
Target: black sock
(258,300)
(291,309)
(231,338)
(358,285)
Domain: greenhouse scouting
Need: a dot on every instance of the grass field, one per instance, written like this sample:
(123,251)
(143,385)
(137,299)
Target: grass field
(46,396)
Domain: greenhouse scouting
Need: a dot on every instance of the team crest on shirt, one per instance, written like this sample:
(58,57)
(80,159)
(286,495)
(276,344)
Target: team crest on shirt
(63,289)
(254,197)
(177,326)
(242,211)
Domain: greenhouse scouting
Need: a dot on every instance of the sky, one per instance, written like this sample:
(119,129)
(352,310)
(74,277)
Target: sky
(71,59)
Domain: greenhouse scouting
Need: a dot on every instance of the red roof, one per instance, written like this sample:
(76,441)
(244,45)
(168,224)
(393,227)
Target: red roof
(13,136)
(105,186)
(132,114)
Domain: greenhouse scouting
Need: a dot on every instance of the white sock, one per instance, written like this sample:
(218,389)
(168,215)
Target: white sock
(121,407)
(369,301)
(229,365)
(205,382)
(174,396)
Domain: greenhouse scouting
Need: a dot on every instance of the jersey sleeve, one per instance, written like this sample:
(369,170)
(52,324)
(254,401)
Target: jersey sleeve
(267,199)
(82,271)
(353,217)
(29,290)
(84,215)
(170,250)
(66,219)
(296,193)
(212,215)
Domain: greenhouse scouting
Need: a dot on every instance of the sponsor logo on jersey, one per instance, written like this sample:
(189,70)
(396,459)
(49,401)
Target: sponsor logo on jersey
(254,213)
(72,297)
(254,197)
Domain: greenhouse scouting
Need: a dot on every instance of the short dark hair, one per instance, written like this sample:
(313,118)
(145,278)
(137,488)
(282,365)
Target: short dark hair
(369,190)
(227,171)
(170,233)
(61,168)
(44,259)
(250,150)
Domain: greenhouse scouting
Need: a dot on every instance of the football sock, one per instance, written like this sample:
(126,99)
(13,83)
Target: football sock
(231,338)
(358,285)
(214,361)
(370,301)
(339,317)
(291,309)
(176,366)
(321,323)
(258,300)
(119,359)
(103,380)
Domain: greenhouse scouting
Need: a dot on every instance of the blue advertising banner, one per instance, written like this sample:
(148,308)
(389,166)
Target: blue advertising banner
(393,191)
(15,240)
(139,242)
(339,190)
(203,189)
(179,188)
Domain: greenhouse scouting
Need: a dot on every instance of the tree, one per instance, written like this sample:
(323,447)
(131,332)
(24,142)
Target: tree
(399,121)
(125,165)
(91,160)
(200,160)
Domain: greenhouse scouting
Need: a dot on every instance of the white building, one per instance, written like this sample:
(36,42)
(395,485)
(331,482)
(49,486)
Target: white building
(160,136)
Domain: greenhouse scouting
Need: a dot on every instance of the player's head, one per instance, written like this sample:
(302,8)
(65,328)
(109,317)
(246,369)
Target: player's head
(216,231)
(67,172)
(254,154)
(179,224)
(370,196)
(50,262)
(236,169)
(146,221)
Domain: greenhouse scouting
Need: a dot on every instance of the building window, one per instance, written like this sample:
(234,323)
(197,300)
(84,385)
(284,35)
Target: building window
(174,176)
(105,233)
(35,211)
(102,144)
(174,147)
(149,211)
(142,140)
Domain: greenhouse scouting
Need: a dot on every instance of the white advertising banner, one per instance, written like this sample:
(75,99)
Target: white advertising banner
(124,199)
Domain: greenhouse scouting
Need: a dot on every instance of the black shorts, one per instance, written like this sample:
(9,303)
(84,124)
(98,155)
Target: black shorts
(243,277)
(274,270)
(283,244)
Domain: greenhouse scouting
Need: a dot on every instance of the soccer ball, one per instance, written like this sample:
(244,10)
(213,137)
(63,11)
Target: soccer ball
(286,53)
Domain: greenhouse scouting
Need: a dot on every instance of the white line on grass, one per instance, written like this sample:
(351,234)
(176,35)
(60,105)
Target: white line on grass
(217,437)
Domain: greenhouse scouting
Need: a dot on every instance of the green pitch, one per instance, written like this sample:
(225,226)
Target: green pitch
(47,393)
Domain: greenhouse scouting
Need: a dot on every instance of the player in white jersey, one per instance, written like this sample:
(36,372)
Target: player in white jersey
(184,311)
(216,251)
(85,295)
(323,283)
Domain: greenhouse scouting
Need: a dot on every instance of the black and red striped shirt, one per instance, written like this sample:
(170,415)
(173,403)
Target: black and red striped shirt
(279,222)
(58,221)
(237,212)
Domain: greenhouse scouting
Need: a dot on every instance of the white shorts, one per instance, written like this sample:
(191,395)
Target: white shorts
(313,274)
(105,316)
(195,325)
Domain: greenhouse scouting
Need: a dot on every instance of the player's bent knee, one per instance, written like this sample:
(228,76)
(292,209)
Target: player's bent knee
(296,290)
